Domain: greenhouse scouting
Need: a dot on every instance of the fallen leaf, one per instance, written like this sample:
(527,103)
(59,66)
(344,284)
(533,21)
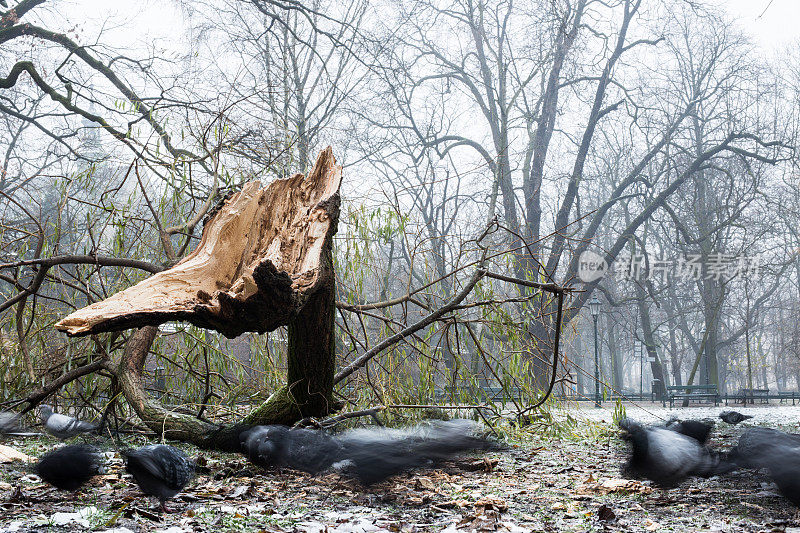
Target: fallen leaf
(607,486)
(494,504)
(486,465)
(424,483)
(9,455)
(649,525)
(454,503)
(413,500)
(605,513)
(753,506)
(239,491)
(480,522)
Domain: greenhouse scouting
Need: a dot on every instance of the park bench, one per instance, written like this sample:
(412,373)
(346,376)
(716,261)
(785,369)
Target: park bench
(691,393)
(752,394)
(501,393)
(788,395)
(485,393)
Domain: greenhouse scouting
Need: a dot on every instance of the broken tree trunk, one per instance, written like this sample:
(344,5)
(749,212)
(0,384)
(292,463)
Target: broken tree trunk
(264,260)
(259,260)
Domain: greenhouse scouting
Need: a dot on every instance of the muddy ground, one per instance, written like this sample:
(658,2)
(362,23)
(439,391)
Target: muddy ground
(565,480)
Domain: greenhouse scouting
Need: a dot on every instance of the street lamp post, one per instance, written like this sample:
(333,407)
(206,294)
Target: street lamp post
(641,370)
(594,307)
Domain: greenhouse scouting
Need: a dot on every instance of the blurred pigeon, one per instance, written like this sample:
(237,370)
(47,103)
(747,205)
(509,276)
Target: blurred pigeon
(757,447)
(777,452)
(374,454)
(9,422)
(159,470)
(69,467)
(667,457)
(63,426)
(301,449)
(695,429)
(733,417)
(369,455)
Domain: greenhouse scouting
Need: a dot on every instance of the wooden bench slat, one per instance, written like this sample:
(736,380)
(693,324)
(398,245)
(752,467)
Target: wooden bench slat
(693,392)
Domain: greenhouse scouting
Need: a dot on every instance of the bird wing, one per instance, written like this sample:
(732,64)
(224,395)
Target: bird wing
(176,467)
(695,429)
(9,422)
(144,460)
(162,463)
(675,455)
(763,447)
(373,454)
(311,451)
(67,425)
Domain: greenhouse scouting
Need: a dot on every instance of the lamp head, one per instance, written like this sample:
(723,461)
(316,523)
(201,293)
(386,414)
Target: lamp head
(594,306)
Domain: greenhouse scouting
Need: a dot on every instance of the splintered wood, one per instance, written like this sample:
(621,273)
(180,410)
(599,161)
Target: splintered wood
(258,261)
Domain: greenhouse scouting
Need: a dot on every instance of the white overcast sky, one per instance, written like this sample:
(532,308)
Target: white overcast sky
(772,24)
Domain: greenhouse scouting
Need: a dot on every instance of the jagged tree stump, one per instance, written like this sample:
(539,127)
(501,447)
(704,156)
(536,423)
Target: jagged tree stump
(264,260)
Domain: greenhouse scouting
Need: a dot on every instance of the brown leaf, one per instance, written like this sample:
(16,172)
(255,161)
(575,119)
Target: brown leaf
(480,522)
(605,513)
(494,504)
(424,483)
(485,465)
(649,525)
(451,504)
(613,485)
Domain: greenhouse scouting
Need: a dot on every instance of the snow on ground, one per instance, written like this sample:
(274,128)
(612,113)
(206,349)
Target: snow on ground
(763,415)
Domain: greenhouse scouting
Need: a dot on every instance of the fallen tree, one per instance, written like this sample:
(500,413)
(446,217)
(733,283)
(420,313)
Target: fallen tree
(264,261)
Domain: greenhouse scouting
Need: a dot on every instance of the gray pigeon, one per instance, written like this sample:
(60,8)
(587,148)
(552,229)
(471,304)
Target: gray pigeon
(775,450)
(9,422)
(667,457)
(63,426)
(159,470)
(696,429)
(369,455)
(733,417)
(69,467)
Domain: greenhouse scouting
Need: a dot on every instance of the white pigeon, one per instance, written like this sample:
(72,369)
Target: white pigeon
(63,426)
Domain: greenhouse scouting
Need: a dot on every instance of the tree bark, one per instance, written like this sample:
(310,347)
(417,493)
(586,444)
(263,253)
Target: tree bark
(614,355)
(311,362)
(265,260)
(650,342)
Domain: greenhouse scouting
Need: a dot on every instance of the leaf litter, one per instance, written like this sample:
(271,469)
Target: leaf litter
(568,484)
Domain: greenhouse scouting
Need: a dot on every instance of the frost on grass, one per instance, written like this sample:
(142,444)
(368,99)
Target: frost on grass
(568,483)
